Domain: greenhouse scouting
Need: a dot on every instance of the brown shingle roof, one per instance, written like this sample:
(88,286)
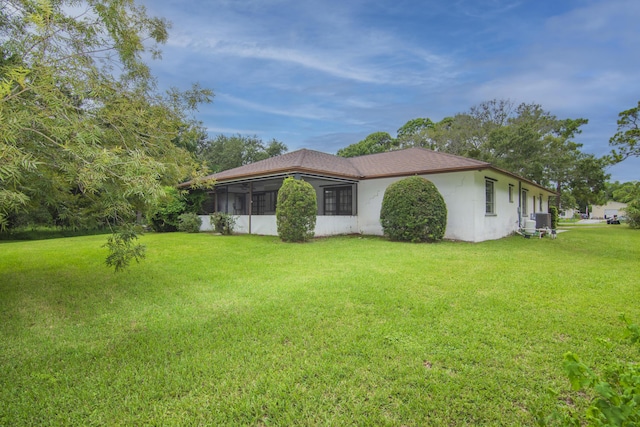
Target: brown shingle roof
(412,161)
(304,160)
(394,163)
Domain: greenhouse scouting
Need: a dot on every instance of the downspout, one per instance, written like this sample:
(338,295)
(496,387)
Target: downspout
(519,204)
(250,203)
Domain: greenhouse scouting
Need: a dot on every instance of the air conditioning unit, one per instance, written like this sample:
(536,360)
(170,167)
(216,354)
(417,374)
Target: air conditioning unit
(543,220)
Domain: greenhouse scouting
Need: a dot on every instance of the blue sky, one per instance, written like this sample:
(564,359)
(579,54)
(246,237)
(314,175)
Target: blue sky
(323,74)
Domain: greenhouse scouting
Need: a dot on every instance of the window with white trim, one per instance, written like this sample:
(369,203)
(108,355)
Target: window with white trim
(490,197)
(525,211)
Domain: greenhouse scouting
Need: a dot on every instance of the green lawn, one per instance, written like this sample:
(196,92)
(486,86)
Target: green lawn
(246,330)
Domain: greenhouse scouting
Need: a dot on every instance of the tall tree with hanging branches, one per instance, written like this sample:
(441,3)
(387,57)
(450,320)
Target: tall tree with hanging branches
(85,135)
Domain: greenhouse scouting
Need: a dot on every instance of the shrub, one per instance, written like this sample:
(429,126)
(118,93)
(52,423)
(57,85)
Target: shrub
(632,212)
(615,391)
(553,210)
(193,200)
(413,210)
(296,210)
(164,216)
(222,223)
(189,222)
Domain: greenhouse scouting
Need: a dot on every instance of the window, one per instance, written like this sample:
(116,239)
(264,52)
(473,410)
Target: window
(540,203)
(510,193)
(524,203)
(338,201)
(490,197)
(264,203)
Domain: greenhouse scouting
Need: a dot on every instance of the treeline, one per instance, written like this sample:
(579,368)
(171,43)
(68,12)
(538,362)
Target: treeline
(228,152)
(524,139)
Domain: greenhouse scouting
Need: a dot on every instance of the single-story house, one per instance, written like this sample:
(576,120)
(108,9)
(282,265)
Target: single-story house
(608,211)
(567,213)
(483,202)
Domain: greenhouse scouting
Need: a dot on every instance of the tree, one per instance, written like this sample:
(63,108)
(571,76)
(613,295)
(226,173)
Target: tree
(468,134)
(84,132)
(524,139)
(633,213)
(538,146)
(377,142)
(627,144)
(625,192)
(456,135)
(296,210)
(415,133)
(164,216)
(228,152)
(587,184)
(627,139)
(629,193)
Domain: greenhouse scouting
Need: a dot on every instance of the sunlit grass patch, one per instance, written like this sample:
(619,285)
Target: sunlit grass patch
(247,330)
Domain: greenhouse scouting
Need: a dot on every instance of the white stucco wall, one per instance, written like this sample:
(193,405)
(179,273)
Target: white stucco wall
(260,224)
(463,193)
(533,196)
(505,220)
(267,225)
(206,224)
(334,225)
(457,189)
(325,225)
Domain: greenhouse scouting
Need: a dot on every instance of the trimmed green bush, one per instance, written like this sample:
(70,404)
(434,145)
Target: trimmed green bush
(413,210)
(554,217)
(296,210)
(222,223)
(189,222)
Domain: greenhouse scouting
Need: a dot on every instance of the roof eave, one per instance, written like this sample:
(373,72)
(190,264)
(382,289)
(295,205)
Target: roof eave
(277,172)
(460,169)
(428,172)
(528,181)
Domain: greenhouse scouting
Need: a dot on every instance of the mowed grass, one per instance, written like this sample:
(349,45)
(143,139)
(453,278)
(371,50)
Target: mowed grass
(246,330)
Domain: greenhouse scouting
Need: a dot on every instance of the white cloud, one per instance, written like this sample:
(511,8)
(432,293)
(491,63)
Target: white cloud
(576,62)
(328,73)
(227,130)
(318,61)
(330,43)
(484,9)
(304,111)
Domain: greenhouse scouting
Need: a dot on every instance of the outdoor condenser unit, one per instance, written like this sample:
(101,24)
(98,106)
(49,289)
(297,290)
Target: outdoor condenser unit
(543,220)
